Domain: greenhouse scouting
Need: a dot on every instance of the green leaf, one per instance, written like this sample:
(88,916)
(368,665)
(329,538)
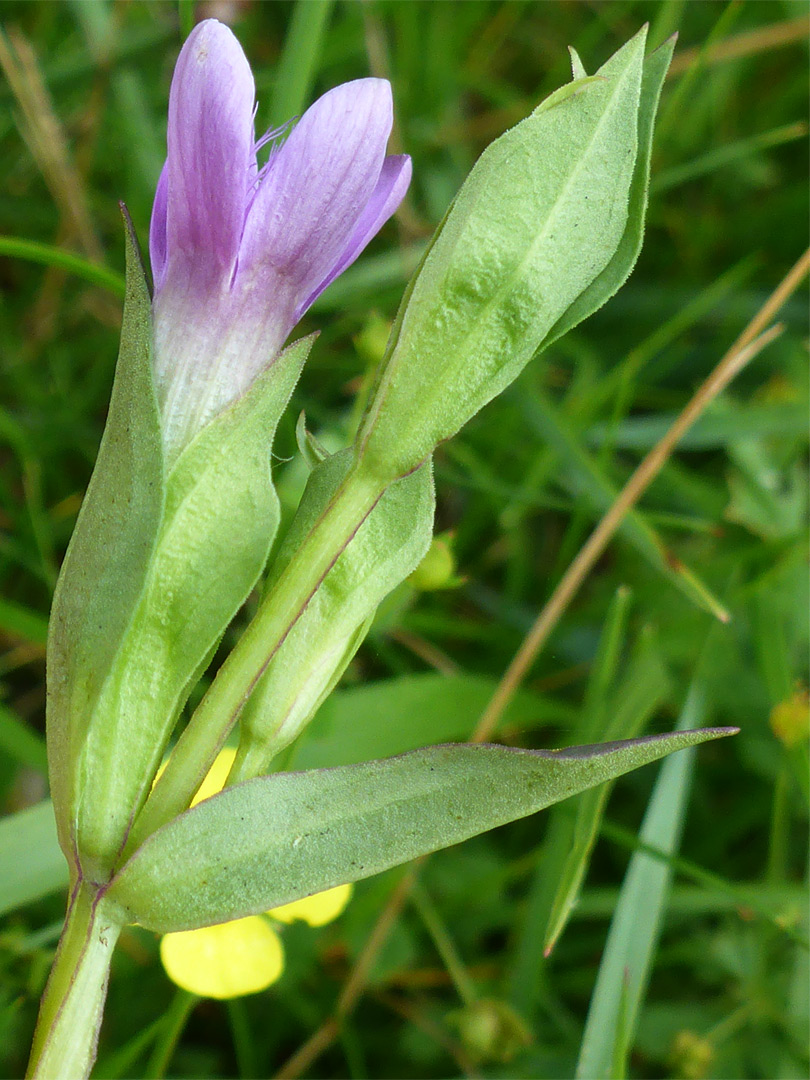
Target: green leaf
(540,217)
(636,924)
(277,838)
(310,660)
(354,724)
(31,862)
(220,518)
(640,693)
(618,269)
(309,447)
(107,561)
(577,67)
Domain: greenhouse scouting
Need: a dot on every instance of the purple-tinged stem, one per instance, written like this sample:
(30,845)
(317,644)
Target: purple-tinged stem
(66,1035)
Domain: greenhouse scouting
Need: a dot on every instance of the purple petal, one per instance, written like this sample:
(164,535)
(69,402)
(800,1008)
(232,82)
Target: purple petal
(318,185)
(386,197)
(210,148)
(157,229)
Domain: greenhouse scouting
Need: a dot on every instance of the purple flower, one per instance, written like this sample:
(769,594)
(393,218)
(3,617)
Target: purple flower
(240,252)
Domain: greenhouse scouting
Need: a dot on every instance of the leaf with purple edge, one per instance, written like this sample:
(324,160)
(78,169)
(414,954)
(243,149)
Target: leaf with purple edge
(220,518)
(278,838)
(108,557)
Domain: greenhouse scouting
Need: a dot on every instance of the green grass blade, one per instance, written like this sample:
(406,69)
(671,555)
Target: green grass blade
(185,9)
(49,255)
(714,430)
(730,154)
(299,60)
(638,696)
(605,665)
(23,623)
(31,862)
(21,743)
(531,942)
(635,927)
(588,480)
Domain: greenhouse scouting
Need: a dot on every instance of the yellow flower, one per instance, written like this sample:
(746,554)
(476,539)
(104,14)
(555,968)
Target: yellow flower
(316,910)
(217,775)
(246,955)
(224,961)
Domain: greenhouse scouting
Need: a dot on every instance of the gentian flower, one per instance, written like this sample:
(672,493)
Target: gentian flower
(238,251)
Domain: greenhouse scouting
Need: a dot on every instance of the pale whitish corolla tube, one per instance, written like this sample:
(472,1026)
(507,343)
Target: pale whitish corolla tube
(238,251)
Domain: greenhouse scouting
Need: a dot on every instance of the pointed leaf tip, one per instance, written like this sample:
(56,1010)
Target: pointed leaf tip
(268,841)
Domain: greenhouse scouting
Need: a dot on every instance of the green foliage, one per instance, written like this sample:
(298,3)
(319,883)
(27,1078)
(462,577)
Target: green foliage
(314,655)
(552,210)
(220,517)
(275,839)
(727,991)
(621,714)
(636,924)
(107,563)
(614,275)
(31,862)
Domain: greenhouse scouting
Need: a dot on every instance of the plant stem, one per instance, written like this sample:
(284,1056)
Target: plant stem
(66,1035)
(217,712)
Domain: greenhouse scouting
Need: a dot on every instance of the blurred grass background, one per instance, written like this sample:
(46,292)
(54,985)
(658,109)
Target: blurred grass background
(460,986)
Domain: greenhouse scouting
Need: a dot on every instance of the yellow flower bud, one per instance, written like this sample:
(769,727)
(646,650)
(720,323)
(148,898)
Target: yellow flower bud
(790,719)
(437,568)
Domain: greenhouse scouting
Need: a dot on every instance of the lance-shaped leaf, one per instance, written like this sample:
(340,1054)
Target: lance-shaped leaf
(540,217)
(277,838)
(314,654)
(618,269)
(108,557)
(220,518)
(637,697)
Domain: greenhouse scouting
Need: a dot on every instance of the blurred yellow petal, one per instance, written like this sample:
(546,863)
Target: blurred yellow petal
(214,781)
(225,961)
(217,775)
(790,719)
(317,910)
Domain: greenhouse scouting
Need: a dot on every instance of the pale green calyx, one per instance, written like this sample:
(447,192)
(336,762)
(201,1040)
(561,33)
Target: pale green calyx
(314,654)
(160,562)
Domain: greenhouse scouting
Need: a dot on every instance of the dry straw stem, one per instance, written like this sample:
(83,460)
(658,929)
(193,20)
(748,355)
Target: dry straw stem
(751,43)
(750,342)
(432,1029)
(753,339)
(46,139)
(775,36)
(429,653)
